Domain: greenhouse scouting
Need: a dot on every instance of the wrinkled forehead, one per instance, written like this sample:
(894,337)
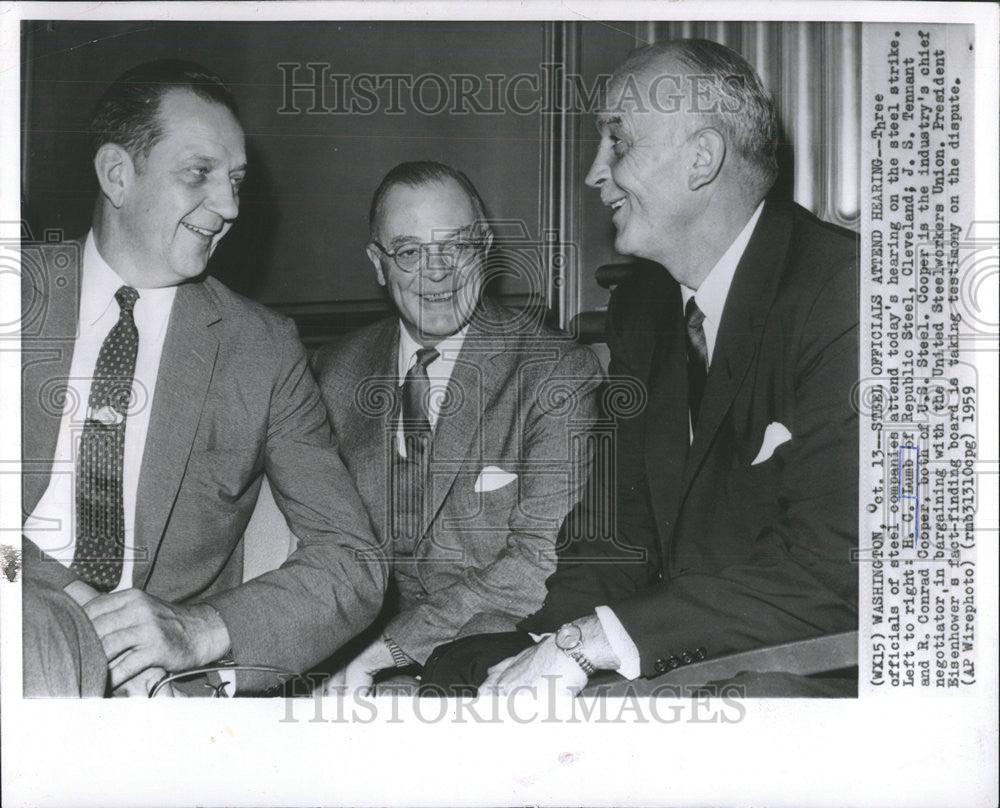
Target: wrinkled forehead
(623,95)
(652,96)
(429,211)
(195,123)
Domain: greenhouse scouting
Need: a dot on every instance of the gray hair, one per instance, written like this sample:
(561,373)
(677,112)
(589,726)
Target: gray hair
(422,172)
(733,98)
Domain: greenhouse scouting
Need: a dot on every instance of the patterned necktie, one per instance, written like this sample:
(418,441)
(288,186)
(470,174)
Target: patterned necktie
(697,355)
(100,514)
(407,478)
(416,392)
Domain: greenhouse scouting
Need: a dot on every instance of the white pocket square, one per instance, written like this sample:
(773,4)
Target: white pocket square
(775,435)
(491,478)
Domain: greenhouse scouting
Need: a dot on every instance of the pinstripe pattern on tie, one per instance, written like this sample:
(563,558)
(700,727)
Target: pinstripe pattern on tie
(408,473)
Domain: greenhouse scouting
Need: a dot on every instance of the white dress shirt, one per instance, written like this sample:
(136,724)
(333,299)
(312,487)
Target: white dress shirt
(711,299)
(52,524)
(438,372)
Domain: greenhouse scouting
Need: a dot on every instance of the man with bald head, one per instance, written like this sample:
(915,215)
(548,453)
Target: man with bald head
(739,479)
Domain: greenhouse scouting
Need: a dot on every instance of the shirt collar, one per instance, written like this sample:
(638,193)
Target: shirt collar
(447,348)
(100,282)
(711,295)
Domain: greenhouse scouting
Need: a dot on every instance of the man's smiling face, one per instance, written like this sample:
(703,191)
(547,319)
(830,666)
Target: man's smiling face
(440,295)
(183,197)
(641,172)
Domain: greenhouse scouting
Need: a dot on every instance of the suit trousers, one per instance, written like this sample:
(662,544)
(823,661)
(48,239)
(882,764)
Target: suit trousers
(62,656)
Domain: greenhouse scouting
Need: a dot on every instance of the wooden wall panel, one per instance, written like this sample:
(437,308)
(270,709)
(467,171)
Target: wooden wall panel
(299,242)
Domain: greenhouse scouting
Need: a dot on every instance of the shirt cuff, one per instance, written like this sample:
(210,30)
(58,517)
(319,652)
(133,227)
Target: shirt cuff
(620,642)
(228,678)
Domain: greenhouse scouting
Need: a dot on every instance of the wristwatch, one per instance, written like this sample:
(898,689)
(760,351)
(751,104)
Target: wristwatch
(569,638)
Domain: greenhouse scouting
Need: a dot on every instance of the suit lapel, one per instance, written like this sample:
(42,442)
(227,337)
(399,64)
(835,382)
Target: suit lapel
(667,431)
(747,304)
(372,429)
(483,363)
(186,366)
(50,305)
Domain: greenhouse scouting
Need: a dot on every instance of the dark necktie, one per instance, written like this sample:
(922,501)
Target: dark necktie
(100,514)
(407,477)
(697,356)
(416,392)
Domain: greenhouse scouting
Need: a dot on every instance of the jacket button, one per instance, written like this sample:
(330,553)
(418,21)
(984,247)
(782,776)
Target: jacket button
(687,657)
(673,662)
(700,654)
(660,665)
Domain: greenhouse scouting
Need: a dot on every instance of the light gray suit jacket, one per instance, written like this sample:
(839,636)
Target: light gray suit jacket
(234,401)
(524,401)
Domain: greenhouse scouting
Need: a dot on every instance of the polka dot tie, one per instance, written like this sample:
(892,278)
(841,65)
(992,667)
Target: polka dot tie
(100,514)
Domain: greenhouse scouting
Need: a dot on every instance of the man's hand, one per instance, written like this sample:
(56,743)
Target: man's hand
(142,684)
(536,668)
(81,592)
(139,631)
(360,672)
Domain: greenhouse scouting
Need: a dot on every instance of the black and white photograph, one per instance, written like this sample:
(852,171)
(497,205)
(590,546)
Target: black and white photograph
(499,404)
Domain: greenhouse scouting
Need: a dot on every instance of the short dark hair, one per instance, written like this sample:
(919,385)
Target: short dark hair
(128,112)
(744,111)
(420,172)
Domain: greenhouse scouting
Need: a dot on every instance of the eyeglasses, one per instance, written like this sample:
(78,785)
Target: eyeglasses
(411,255)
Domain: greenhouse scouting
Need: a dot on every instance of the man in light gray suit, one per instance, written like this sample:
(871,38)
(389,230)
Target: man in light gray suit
(464,424)
(154,402)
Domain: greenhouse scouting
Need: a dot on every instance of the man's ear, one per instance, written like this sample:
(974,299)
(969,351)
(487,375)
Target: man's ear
(115,170)
(376,258)
(709,155)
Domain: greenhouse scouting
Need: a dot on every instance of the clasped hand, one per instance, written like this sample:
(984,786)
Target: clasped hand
(144,636)
(359,673)
(540,670)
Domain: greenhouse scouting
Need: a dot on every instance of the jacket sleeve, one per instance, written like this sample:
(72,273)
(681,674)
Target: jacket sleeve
(798,580)
(331,587)
(608,549)
(513,584)
(39,566)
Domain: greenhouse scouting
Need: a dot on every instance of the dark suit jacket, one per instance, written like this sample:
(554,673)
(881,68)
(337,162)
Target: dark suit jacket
(524,402)
(234,400)
(738,555)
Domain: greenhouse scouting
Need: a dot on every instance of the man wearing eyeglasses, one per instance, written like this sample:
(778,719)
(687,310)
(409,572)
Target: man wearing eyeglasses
(463,422)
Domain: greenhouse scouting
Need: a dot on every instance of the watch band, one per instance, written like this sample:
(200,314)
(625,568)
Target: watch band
(581,659)
(399,658)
